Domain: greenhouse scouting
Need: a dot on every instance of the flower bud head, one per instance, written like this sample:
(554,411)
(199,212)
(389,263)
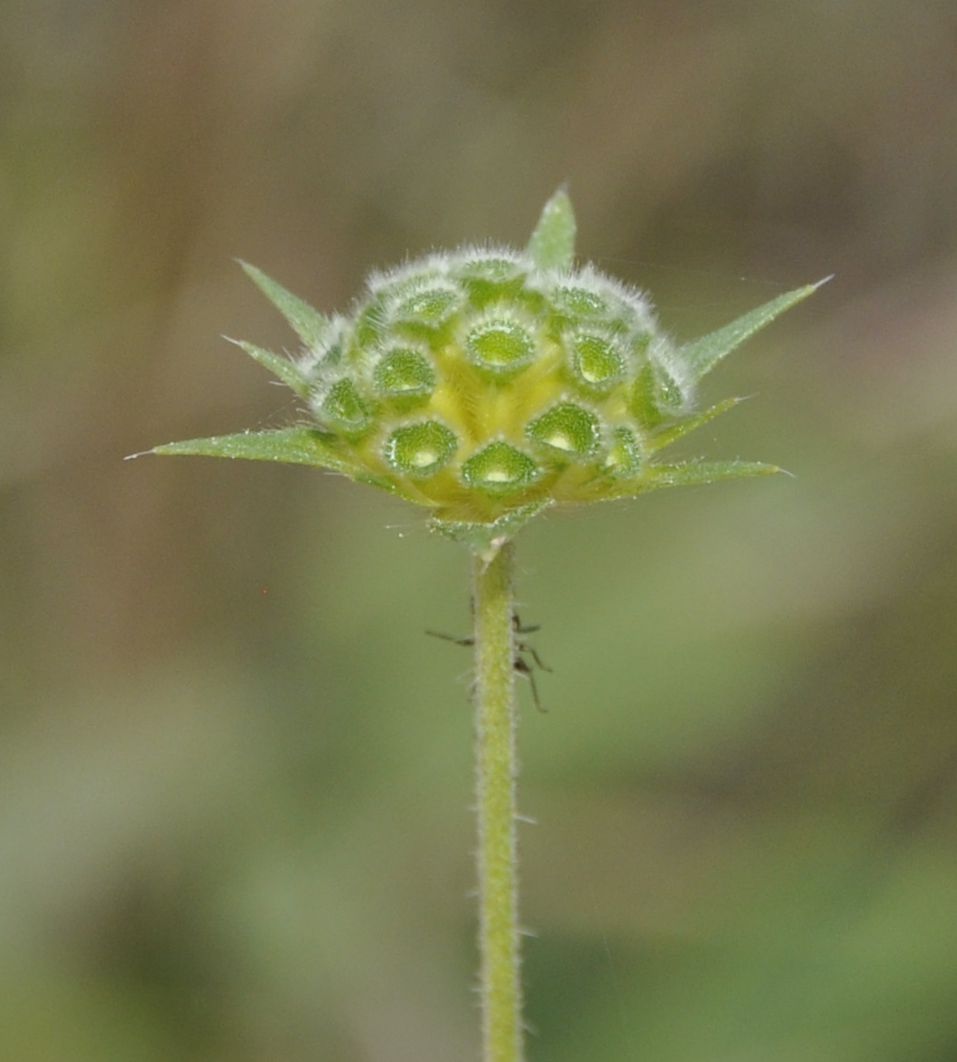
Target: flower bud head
(487,383)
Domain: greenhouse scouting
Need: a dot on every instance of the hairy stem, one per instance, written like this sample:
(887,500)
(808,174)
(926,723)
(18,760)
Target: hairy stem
(496,771)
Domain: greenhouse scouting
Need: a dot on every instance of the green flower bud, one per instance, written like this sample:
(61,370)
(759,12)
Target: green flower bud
(598,362)
(342,408)
(566,431)
(404,374)
(531,382)
(428,305)
(624,453)
(420,450)
(500,346)
(499,468)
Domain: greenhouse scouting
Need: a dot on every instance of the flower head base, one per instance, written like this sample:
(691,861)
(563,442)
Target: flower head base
(487,384)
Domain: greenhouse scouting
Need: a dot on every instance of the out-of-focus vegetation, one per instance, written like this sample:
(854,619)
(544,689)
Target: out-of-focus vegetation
(234,774)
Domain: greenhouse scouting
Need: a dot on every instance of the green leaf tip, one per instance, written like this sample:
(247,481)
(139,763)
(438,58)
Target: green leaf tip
(296,446)
(694,474)
(281,367)
(309,324)
(552,245)
(701,355)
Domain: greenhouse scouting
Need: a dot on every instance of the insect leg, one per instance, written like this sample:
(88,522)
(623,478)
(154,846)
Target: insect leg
(451,638)
(522,668)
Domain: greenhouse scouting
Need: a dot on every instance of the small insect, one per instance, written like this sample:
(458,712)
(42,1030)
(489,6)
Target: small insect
(522,650)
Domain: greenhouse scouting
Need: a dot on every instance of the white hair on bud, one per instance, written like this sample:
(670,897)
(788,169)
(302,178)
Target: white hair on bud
(480,252)
(435,265)
(588,278)
(664,353)
(314,360)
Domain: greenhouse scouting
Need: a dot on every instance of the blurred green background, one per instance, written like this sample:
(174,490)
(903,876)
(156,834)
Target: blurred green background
(235,775)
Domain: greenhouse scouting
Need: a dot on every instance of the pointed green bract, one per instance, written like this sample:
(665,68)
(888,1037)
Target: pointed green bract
(701,473)
(701,355)
(688,474)
(552,245)
(296,446)
(280,366)
(309,324)
(664,438)
(685,474)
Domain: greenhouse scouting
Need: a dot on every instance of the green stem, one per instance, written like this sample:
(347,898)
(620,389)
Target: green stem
(496,770)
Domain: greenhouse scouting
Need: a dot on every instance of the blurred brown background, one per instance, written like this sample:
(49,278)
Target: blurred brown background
(235,775)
